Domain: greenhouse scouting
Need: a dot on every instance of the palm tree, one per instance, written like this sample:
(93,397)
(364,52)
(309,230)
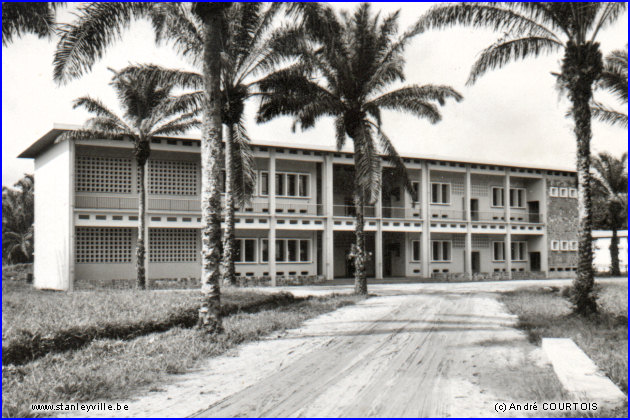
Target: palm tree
(355,58)
(529,30)
(19,18)
(98,25)
(17,221)
(610,188)
(614,79)
(247,56)
(149,110)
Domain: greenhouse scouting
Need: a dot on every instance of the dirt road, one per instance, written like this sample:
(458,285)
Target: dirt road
(414,350)
(438,353)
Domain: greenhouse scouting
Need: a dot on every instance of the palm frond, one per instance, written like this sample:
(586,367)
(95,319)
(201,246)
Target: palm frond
(417,100)
(609,116)
(388,149)
(495,16)
(98,26)
(180,125)
(244,166)
(87,134)
(162,76)
(20,18)
(96,107)
(367,164)
(506,51)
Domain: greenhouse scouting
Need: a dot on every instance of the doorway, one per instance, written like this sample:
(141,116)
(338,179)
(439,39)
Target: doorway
(534,261)
(475,260)
(533,208)
(474,209)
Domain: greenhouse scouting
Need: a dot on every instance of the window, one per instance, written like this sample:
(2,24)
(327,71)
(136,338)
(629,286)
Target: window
(555,245)
(103,245)
(173,245)
(264,183)
(553,191)
(415,185)
(103,174)
(518,251)
(517,197)
(564,245)
(287,184)
(245,250)
(498,251)
(564,192)
(573,192)
(573,245)
(440,193)
(441,251)
(287,250)
(415,251)
(497,197)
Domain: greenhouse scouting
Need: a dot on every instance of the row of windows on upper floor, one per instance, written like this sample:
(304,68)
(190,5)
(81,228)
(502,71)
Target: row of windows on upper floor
(114,175)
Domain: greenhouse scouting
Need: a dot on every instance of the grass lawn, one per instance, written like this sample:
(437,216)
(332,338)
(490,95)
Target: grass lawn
(604,337)
(111,367)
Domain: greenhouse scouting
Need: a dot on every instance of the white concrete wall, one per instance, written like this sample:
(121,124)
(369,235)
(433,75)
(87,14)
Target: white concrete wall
(601,258)
(53,261)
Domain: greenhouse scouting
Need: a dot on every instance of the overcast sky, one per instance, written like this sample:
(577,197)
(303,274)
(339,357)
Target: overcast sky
(511,115)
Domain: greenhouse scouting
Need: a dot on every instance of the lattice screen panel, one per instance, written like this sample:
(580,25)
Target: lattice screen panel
(458,241)
(173,245)
(173,177)
(103,174)
(479,190)
(103,245)
(480,242)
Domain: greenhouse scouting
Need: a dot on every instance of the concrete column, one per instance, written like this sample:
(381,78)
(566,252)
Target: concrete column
(378,251)
(328,264)
(508,224)
(71,237)
(544,246)
(468,241)
(272,217)
(425,187)
(147,249)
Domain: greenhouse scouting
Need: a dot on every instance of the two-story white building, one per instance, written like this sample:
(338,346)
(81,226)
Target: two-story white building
(466,220)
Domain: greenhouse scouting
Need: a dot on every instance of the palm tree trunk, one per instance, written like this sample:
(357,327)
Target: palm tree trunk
(210,309)
(142,216)
(581,67)
(359,253)
(229,277)
(614,253)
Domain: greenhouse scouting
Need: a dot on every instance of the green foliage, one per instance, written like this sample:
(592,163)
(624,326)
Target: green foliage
(17,221)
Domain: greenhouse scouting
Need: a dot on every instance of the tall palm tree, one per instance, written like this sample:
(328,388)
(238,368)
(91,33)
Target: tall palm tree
(614,79)
(532,29)
(20,18)
(149,110)
(610,187)
(98,25)
(248,54)
(345,64)
(17,221)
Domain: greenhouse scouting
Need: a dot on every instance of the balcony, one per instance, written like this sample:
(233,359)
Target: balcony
(345,210)
(442,214)
(401,213)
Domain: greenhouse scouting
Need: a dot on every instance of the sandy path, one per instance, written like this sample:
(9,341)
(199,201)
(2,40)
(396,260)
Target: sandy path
(414,351)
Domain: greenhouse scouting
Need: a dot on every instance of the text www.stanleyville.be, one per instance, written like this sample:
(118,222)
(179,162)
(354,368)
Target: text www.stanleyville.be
(79,407)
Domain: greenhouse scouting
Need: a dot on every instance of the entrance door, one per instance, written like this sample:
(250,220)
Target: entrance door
(474,209)
(533,207)
(534,261)
(475,259)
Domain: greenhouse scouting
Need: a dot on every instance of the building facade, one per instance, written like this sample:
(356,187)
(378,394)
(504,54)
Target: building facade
(465,220)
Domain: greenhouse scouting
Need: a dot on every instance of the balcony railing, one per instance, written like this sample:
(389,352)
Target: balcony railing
(441,214)
(401,213)
(350,211)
